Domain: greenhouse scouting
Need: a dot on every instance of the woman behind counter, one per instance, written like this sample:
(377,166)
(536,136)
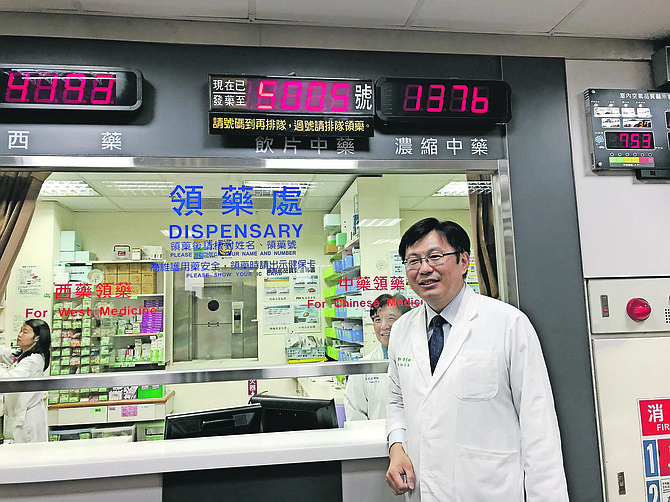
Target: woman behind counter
(25,413)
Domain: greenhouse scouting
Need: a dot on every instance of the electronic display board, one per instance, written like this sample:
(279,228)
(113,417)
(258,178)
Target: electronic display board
(38,87)
(436,101)
(244,104)
(629,129)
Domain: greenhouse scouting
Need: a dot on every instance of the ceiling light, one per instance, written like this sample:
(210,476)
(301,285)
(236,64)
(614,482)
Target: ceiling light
(267,188)
(158,188)
(386,241)
(463,188)
(74,188)
(379,222)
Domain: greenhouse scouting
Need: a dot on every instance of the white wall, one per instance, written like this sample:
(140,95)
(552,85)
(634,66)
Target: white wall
(623,223)
(40,247)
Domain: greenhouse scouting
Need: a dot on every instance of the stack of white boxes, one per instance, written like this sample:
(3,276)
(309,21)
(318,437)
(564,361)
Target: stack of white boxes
(71,248)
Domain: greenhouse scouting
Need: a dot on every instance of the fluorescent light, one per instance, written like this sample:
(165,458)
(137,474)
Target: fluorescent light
(160,188)
(379,222)
(56,188)
(267,188)
(463,188)
(386,241)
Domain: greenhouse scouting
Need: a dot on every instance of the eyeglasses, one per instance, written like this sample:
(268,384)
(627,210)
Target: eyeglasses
(433,259)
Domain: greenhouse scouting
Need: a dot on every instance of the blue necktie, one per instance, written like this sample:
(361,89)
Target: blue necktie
(436,341)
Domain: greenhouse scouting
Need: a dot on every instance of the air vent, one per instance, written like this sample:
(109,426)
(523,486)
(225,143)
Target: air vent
(667,316)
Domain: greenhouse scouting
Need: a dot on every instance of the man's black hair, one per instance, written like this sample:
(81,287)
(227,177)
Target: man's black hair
(450,231)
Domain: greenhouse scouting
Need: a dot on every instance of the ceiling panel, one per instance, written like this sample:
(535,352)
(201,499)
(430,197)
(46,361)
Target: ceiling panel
(369,13)
(37,5)
(619,18)
(169,9)
(493,16)
(143,203)
(319,203)
(84,203)
(442,204)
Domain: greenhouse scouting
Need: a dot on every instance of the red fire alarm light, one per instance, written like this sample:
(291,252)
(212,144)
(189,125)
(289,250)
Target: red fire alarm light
(638,309)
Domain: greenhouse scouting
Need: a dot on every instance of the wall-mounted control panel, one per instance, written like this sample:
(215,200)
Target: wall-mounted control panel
(629,129)
(636,305)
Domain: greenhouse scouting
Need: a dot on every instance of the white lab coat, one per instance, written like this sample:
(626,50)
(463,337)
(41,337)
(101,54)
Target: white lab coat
(25,414)
(366,396)
(483,426)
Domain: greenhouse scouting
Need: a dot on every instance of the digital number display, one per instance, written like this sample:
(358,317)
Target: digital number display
(291,95)
(40,88)
(615,140)
(443,100)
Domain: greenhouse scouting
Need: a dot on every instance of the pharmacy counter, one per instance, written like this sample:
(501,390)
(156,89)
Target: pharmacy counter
(156,471)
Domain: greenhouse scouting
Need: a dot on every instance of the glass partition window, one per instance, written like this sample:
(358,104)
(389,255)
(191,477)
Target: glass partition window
(190,271)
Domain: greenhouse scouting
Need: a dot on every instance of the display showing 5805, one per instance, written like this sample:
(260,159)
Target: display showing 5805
(65,88)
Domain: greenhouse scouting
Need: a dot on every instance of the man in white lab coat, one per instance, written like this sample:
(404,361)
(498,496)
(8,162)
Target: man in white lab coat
(366,396)
(471,415)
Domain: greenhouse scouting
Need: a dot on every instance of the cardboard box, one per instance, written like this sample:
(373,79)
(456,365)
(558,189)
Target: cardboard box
(135,278)
(136,289)
(152,252)
(123,278)
(123,268)
(67,255)
(146,268)
(85,256)
(135,268)
(148,288)
(330,249)
(70,240)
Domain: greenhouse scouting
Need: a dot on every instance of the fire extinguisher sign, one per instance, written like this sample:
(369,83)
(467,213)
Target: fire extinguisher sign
(655,428)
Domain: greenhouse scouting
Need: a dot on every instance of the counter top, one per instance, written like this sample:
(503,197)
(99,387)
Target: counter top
(99,458)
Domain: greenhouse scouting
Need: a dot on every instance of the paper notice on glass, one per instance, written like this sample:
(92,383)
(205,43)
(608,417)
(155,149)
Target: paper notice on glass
(305,286)
(397,268)
(276,318)
(276,288)
(305,317)
(29,282)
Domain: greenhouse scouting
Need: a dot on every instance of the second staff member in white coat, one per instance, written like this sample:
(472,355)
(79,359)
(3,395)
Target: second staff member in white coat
(471,415)
(366,396)
(25,418)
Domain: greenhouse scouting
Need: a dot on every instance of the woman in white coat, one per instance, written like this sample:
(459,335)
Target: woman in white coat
(25,416)
(366,396)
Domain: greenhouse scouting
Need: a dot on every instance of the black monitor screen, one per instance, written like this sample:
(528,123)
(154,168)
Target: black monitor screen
(220,422)
(282,413)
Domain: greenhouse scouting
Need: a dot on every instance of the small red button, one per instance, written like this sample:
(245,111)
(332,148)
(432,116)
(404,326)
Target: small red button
(638,309)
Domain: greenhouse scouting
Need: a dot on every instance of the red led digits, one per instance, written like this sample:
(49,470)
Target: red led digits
(74,83)
(412,97)
(54,88)
(638,309)
(46,82)
(437,98)
(266,94)
(629,141)
(291,95)
(13,86)
(459,96)
(320,96)
(102,93)
(460,99)
(291,98)
(343,97)
(480,104)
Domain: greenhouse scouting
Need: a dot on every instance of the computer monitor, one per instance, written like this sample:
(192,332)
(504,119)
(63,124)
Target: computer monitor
(221,422)
(281,413)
